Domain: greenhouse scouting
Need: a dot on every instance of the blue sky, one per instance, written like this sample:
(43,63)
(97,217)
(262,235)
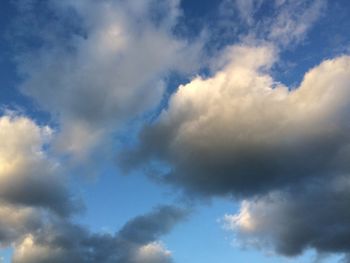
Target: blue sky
(150,131)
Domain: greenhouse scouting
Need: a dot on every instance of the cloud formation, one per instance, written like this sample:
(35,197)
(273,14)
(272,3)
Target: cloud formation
(237,132)
(286,23)
(313,215)
(105,69)
(35,208)
(240,132)
(136,242)
(28,176)
(16,221)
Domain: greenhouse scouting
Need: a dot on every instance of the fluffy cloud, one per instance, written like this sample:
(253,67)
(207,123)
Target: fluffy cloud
(239,132)
(61,241)
(35,206)
(100,63)
(313,215)
(28,177)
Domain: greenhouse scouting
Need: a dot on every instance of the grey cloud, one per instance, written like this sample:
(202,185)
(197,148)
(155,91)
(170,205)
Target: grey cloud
(39,188)
(144,229)
(36,208)
(62,241)
(28,176)
(108,70)
(16,221)
(239,132)
(313,215)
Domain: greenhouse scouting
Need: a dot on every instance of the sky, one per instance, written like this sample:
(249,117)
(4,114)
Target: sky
(174,131)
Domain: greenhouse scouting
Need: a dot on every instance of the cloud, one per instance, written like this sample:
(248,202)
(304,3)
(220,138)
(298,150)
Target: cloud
(144,229)
(240,132)
(100,64)
(314,215)
(61,241)
(294,20)
(283,23)
(28,176)
(247,9)
(35,208)
(17,221)
(153,253)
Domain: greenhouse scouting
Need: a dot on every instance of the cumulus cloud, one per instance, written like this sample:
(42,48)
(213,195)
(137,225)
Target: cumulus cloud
(35,208)
(100,63)
(313,215)
(28,176)
(62,241)
(240,132)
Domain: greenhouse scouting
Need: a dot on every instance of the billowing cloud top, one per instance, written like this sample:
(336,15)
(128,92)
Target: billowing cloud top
(240,132)
(27,175)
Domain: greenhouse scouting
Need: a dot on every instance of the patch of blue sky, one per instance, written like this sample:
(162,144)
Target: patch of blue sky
(5,255)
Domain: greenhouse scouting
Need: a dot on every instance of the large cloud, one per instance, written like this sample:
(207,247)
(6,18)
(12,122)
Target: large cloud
(35,206)
(28,177)
(99,63)
(240,132)
(31,184)
(313,215)
(136,242)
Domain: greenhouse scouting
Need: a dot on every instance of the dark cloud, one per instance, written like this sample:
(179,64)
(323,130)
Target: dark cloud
(313,215)
(28,176)
(41,190)
(61,241)
(17,221)
(144,229)
(239,132)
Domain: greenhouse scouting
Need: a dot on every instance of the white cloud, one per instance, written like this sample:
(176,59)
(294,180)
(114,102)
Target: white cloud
(95,81)
(153,253)
(241,132)
(30,252)
(28,176)
(294,20)
(21,142)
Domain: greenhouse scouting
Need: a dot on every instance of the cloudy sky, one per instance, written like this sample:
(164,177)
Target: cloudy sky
(174,131)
